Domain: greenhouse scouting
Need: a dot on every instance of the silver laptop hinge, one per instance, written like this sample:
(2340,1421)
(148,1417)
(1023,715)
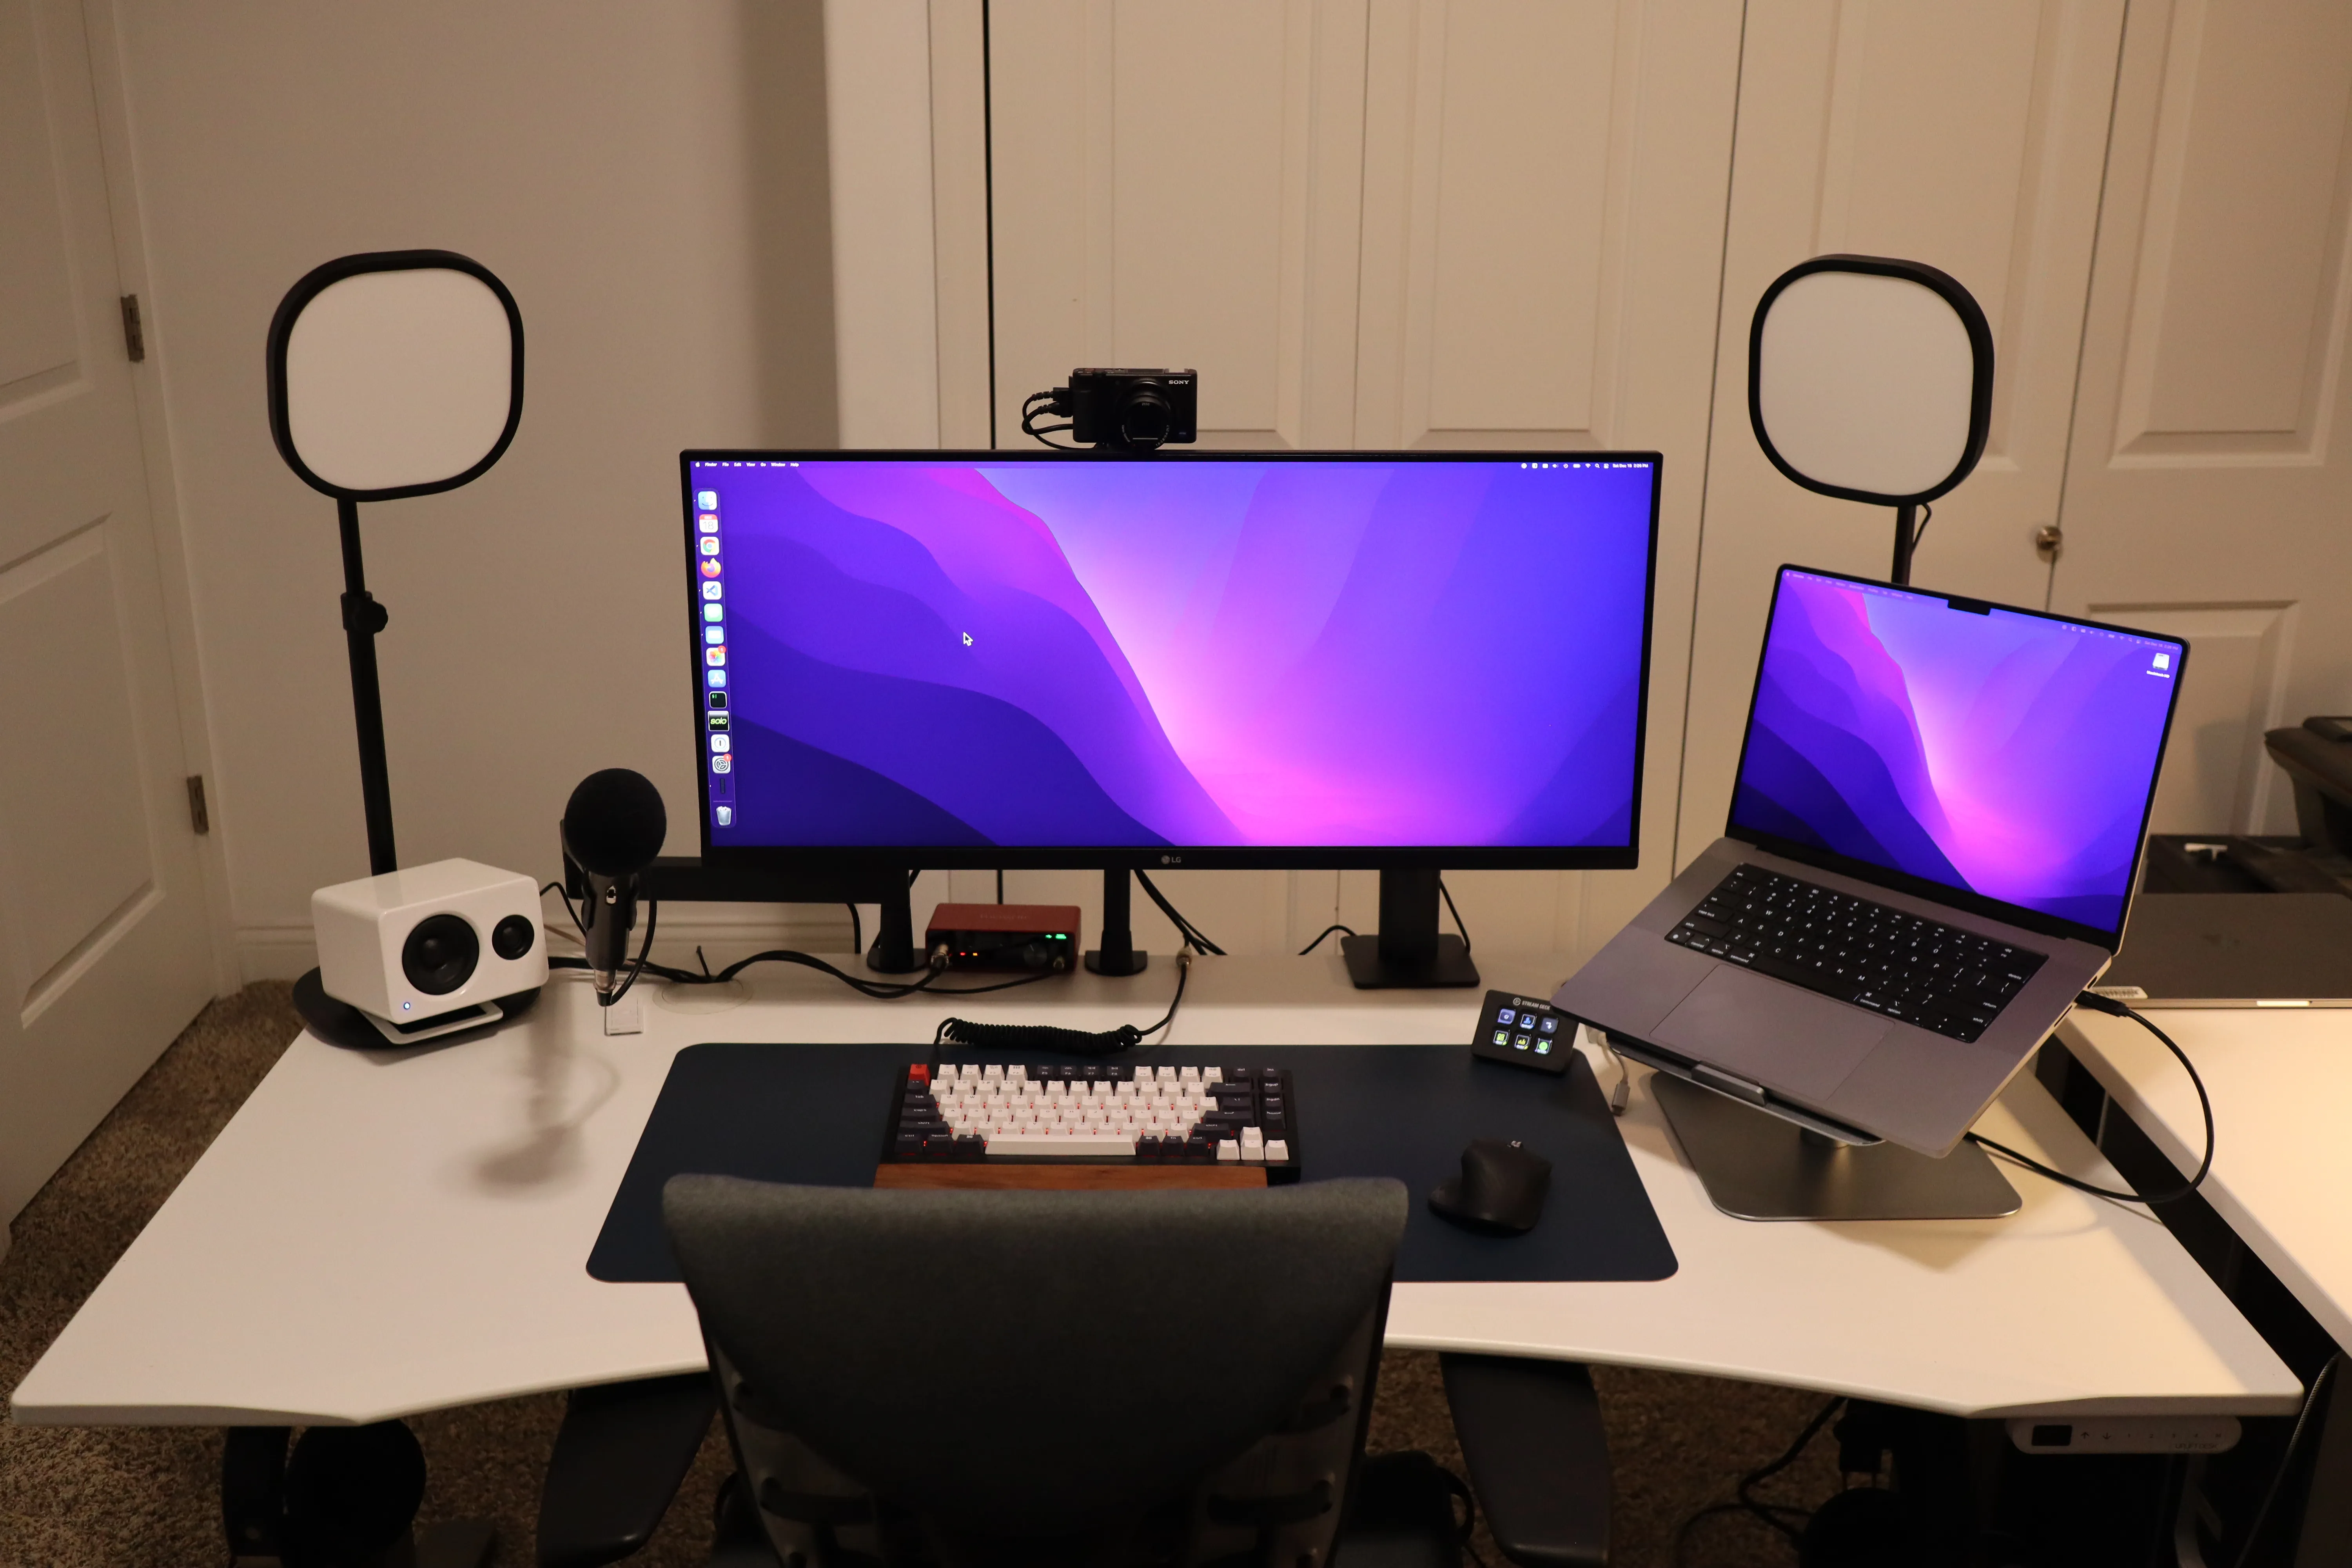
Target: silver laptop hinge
(1716,1079)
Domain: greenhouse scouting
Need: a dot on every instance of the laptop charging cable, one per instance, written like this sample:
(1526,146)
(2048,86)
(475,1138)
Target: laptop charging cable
(2092,1002)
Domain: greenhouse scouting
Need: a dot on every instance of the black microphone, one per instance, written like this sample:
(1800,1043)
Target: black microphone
(613,828)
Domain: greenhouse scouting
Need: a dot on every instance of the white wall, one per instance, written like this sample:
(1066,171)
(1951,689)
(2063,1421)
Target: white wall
(651,183)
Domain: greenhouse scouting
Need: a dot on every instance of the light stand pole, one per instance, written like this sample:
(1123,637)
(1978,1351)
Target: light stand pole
(362,618)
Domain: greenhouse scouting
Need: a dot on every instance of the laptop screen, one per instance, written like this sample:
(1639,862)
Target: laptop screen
(2001,753)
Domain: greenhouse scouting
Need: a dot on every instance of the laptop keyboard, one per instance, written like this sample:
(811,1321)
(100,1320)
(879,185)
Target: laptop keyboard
(1936,976)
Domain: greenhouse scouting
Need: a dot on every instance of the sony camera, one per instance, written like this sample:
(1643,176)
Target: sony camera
(1121,410)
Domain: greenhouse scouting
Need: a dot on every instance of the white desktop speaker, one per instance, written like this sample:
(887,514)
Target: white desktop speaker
(428,951)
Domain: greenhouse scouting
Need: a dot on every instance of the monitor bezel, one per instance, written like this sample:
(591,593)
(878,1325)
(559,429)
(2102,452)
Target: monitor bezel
(843,858)
(2032,919)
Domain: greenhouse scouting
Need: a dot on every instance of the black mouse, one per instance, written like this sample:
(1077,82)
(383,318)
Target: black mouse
(1500,1190)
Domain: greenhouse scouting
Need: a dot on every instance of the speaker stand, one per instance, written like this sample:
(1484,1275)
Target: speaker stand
(1757,1166)
(341,1024)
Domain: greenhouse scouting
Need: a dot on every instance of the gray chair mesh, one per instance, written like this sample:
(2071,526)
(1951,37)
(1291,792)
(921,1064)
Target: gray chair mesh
(1168,1377)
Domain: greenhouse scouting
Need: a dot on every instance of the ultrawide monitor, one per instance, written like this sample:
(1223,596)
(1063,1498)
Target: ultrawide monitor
(989,659)
(2005,756)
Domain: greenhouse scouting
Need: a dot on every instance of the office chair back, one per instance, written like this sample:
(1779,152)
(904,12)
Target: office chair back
(980,1377)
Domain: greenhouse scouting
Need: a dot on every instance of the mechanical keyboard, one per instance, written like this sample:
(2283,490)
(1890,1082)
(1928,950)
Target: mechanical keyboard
(1936,976)
(1116,1113)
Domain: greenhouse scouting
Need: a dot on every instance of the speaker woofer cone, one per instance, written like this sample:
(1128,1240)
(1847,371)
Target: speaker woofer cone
(440,955)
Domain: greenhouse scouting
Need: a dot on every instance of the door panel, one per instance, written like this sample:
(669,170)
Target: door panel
(103,949)
(68,863)
(1969,137)
(1176,186)
(2237,328)
(2205,493)
(1496,175)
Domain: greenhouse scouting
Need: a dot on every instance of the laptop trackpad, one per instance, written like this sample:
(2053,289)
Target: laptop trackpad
(1782,1036)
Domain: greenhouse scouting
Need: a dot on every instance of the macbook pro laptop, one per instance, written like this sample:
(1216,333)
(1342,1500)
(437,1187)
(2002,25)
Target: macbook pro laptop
(1935,830)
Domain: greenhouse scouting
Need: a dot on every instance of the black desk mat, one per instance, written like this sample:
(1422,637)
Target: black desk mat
(814,1114)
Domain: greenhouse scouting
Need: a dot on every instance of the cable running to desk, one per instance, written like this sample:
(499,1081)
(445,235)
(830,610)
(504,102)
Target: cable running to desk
(2114,1009)
(880,990)
(1052,1037)
(1185,930)
(1326,930)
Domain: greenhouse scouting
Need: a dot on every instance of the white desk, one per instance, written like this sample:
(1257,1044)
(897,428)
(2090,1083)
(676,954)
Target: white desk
(2281,1082)
(377,1235)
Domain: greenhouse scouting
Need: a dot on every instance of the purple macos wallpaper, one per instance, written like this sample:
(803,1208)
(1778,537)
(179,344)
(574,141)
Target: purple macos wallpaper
(2008,754)
(1194,652)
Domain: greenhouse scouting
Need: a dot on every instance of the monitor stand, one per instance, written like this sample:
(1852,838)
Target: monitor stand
(1408,954)
(894,950)
(1756,1166)
(1117,956)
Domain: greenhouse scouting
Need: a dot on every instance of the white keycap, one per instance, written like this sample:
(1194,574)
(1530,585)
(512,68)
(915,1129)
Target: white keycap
(1277,1150)
(1123,1091)
(1228,1151)
(1254,1153)
(1213,1075)
(1101,1090)
(1016,1075)
(1253,1137)
(1188,1075)
(1057,1089)
(1062,1146)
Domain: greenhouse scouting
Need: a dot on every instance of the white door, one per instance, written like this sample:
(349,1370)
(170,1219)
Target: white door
(104,952)
(1968,136)
(1381,224)
(2207,494)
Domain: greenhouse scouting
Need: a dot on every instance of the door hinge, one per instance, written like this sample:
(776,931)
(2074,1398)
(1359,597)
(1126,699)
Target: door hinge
(134,335)
(198,818)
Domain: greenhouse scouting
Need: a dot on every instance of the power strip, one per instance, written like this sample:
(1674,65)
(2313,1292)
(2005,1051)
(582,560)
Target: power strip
(2126,1435)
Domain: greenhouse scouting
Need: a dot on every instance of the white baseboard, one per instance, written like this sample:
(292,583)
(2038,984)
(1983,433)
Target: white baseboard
(275,953)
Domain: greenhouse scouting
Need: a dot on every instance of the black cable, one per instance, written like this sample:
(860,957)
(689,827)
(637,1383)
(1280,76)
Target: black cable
(1028,1037)
(1030,409)
(1920,532)
(2113,1008)
(1749,1503)
(856,932)
(558,889)
(2286,1462)
(881,991)
(1000,886)
(644,948)
(1185,928)
(1326,930)
(1464,929)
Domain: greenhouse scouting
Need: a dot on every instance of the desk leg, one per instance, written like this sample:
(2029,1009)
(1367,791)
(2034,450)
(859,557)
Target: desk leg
(2310,1525)
(348,1487)
(2326,1540)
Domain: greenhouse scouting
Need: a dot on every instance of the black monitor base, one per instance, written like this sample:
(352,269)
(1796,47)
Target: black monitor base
(1369,970)
(1408,954)
(1755,1165)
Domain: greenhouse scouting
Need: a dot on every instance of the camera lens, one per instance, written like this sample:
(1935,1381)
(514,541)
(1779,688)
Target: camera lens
(512,937)
(1144,416)
(440,954)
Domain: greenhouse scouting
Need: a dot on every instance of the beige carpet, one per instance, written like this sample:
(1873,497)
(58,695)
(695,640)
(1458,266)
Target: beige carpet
(146,1497)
